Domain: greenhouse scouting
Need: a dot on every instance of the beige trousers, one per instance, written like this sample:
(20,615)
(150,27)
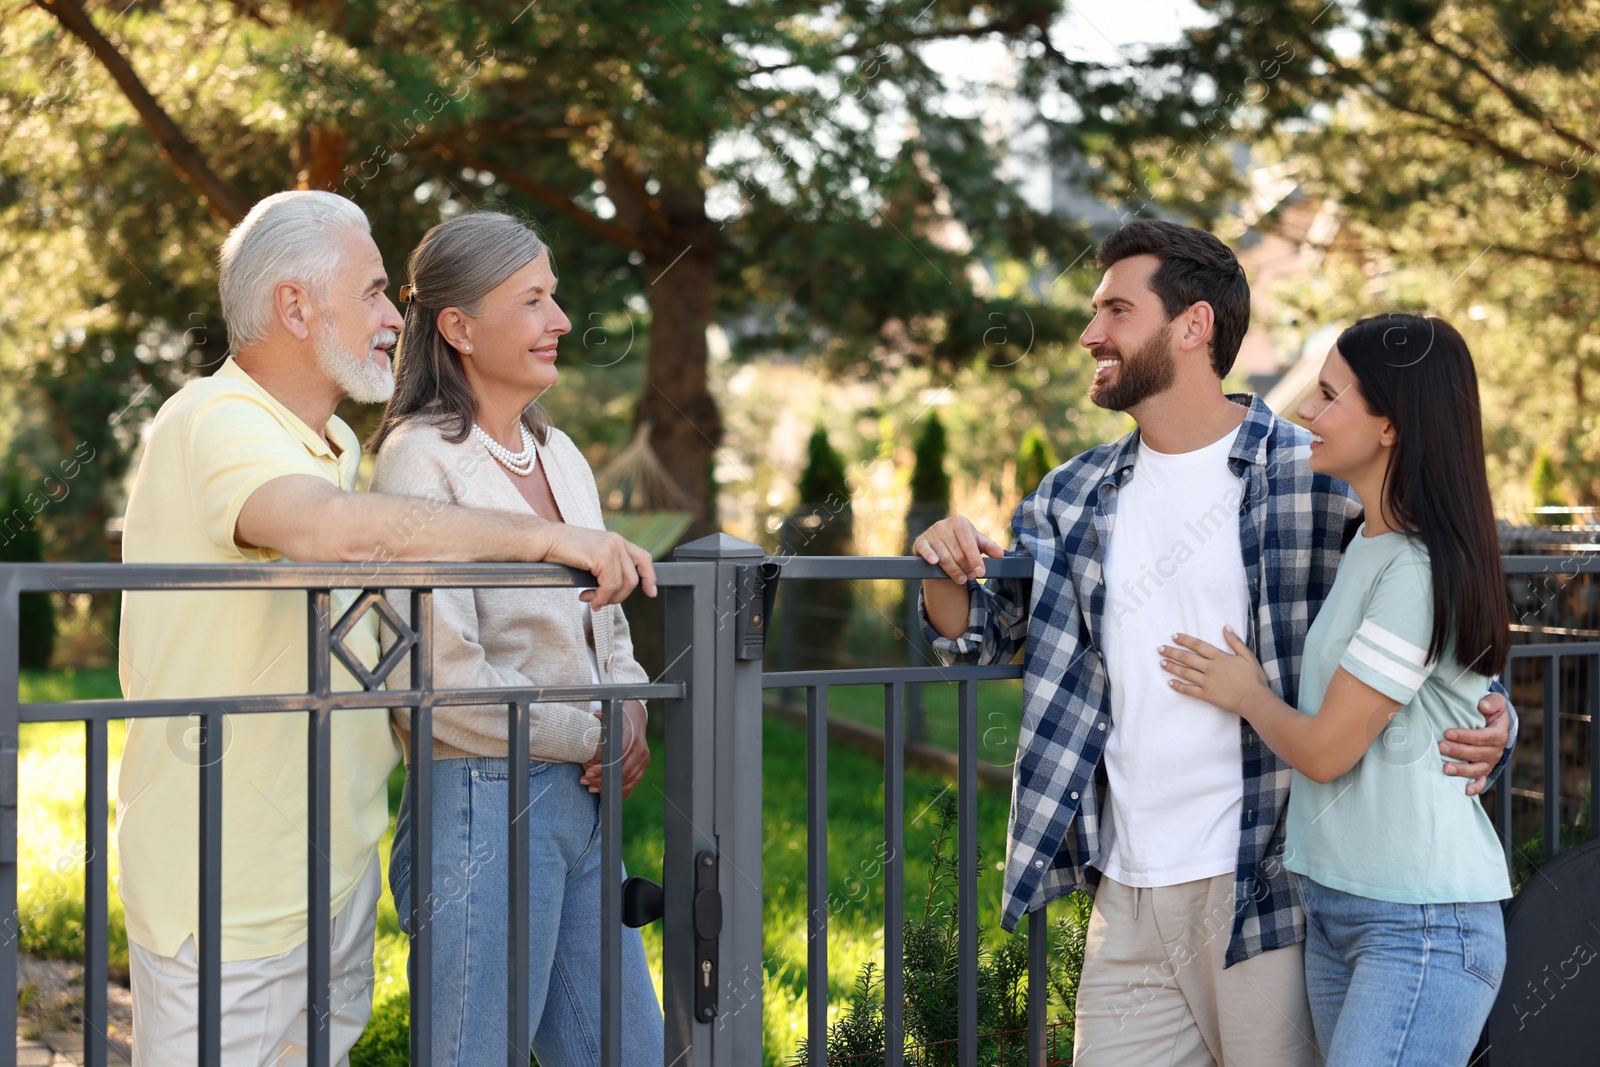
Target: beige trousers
(1154,992)
(263,1001)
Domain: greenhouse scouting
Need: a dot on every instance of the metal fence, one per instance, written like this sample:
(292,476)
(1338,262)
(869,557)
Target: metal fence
(1554,679)
(717,607)
(690,598)
(894,681)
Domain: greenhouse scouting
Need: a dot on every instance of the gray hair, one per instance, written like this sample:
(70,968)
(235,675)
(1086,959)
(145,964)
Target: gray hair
(457,264)
(288,237)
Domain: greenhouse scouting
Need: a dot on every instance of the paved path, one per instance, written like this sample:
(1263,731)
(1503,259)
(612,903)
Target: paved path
(52,1007)
(60,1049)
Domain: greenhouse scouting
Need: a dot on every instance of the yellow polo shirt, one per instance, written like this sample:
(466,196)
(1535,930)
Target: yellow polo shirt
(211,446)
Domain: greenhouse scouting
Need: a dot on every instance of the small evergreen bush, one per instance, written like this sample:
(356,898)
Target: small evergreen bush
(1545,483)
(386,1042)
(930,482)
(824,525)
(823,480)
(1035,459)
(932,977)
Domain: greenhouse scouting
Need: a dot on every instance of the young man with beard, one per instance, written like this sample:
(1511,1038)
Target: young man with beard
(251,465)
(1169,811)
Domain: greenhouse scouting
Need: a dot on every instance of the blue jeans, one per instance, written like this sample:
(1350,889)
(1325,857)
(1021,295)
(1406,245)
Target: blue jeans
(1399,985)
(468,915)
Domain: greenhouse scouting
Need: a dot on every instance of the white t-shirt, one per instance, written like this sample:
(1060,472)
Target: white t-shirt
(1172,565)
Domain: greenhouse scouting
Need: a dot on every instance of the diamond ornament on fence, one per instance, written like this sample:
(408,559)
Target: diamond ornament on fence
(405,637)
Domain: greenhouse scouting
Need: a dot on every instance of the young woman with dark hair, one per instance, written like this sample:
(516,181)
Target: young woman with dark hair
(1404,940)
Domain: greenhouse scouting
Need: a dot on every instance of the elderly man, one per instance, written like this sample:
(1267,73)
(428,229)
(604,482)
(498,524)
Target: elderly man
(252,465)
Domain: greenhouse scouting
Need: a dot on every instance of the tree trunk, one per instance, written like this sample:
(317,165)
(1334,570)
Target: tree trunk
(686,428)
(319,156)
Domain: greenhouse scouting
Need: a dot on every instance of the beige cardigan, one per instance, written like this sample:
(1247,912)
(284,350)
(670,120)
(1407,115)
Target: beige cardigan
(505,637)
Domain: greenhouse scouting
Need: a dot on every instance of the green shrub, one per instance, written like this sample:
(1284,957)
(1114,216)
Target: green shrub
(1067,947)
(932,976)
(1035,459)
(823,480)
(824,526)
(930,483)
(386,1042)
(1545,483)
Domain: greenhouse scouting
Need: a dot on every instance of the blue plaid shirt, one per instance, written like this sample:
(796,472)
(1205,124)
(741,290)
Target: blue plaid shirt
(1291,524)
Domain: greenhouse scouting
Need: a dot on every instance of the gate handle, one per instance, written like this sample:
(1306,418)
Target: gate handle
(643,902)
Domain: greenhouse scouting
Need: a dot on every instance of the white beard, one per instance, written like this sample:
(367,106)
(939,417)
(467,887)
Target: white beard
(365,381)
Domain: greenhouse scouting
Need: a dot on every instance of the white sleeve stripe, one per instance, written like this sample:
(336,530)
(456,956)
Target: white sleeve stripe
(1393,644)
(1390,669)
(1386,654)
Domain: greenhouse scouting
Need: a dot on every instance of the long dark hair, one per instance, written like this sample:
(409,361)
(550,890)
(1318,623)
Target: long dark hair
(1416,372)
(456,264)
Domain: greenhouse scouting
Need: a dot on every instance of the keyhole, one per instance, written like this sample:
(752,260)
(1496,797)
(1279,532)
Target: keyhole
(705,971)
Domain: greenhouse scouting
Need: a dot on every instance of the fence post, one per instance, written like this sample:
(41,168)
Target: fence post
(11,934)
(689,625)
(734,761)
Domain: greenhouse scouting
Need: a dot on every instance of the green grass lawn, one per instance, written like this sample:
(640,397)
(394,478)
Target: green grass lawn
(51,856)
(50,821)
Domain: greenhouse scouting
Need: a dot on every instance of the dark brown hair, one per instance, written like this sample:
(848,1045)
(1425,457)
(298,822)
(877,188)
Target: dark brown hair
(1417,373)
(1195,266)
(456,264)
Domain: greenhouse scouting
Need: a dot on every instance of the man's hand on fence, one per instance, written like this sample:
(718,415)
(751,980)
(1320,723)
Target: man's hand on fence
(617,564)
(956,546)
(635,752)
(1478,750)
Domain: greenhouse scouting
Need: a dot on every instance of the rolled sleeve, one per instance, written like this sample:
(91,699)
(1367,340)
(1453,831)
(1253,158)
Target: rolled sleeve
(967,647)
(997,623)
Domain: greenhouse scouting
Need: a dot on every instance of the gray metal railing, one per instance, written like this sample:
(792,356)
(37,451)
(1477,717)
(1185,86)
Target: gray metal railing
(688,592)
(1557,715)
(716,610)
(895,681)
(1551,718)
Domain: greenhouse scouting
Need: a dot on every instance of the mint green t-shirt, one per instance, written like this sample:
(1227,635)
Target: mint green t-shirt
(1395,827)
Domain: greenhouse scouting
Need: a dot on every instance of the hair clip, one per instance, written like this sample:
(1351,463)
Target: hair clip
(406,293)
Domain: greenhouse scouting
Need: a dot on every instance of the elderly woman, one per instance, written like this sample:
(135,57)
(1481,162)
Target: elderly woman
(482,328)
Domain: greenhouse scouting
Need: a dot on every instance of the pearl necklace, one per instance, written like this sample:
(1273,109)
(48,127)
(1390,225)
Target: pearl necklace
(518,463)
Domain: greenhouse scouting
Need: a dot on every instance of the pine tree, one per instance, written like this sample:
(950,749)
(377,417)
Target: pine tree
(1545,485)
(1035,459)
(823,480)
(823,526)
(930,482)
